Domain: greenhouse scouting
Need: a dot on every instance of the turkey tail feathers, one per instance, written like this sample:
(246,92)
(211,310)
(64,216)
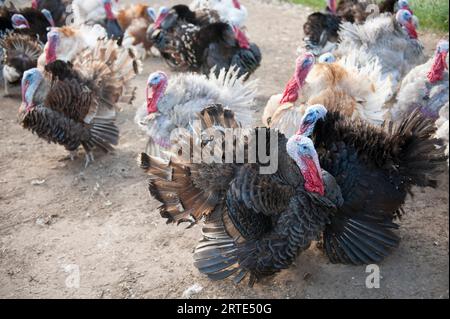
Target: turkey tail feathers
(359,240)
(421,157)
(104,134)
(217,254)
(237,95)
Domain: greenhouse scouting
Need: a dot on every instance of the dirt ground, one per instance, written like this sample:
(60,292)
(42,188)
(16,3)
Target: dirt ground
(57,218)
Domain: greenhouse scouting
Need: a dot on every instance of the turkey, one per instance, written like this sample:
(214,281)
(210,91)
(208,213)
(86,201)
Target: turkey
(56,9)
(257,224)
(174,103)
(230,11)
(425,87)
(198,48)
(354,88)
(111,24)
(20,53)
(392,39)
(68,42)
(321,28)
(75,105)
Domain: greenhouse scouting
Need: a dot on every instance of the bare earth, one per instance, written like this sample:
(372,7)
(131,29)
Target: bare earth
(55,215)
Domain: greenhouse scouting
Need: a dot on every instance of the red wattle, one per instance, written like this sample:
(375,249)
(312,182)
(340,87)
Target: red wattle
(152,101)
(50,52)
(241,38)
(236,4)
(290,93)
(312,176)
(332,6)
(437,69)
(109,12)
(411,30)
(159,20)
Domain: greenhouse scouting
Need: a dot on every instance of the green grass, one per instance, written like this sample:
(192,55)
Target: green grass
(432,14)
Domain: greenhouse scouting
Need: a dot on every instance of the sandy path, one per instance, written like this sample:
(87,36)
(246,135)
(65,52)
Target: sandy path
(102,220)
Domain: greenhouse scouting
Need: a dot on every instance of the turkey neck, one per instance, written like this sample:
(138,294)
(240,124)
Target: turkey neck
(438,67)
(50,51)
(310,168)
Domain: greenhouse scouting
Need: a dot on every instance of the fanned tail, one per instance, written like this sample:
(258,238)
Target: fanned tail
(420,154)
(112,68)
(237,95)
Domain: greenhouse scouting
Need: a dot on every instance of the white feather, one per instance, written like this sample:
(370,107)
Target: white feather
(188,94)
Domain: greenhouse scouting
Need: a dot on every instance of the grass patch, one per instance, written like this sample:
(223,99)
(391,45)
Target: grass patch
(432,14)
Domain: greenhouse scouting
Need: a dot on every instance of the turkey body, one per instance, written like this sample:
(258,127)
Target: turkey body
(352,85)
(191,44)
(384,38)
(257,224)
(62,111)
(375,169)
(74,103)
(417,91)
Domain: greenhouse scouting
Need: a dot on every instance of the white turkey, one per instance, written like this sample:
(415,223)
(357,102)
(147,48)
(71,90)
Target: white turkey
(425,87)
(357,90)
(393,39)
(174,103)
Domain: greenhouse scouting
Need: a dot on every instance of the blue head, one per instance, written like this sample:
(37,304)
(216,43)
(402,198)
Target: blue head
(31,80)
(19,22)
(312,114)
(151,13)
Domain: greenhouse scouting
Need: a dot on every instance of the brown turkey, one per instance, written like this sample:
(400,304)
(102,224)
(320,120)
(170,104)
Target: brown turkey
(75,105)
(349,191)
